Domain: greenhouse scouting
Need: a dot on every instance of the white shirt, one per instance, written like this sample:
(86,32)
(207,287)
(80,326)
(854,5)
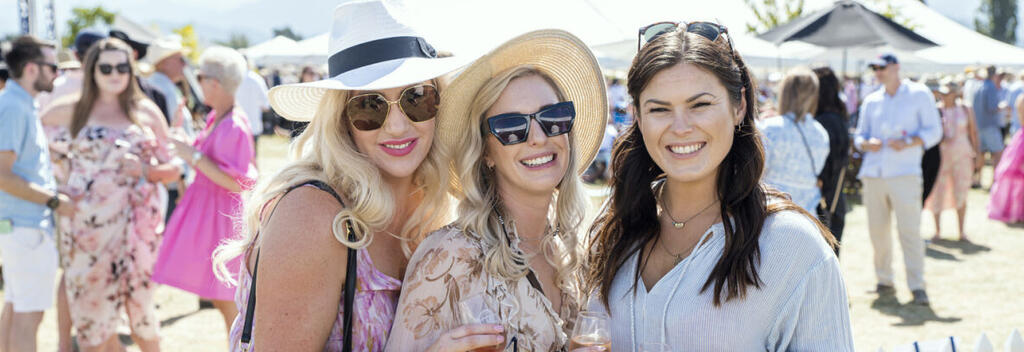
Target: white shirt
(801,305)
(252,98)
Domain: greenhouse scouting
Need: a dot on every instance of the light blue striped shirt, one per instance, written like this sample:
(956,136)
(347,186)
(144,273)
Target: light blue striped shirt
(801,305)
(911,112)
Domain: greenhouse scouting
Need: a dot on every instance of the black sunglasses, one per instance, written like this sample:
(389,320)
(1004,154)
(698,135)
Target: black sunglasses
(367,112)
(107,69)
(705,29)
(512,128)
(52,66)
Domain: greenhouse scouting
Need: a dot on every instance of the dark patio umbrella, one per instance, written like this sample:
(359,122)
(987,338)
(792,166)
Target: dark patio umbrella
(847,24)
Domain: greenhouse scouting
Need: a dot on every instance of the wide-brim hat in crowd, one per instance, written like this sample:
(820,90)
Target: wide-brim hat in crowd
(66,60)
(140,47)
(371,47)
(162,48)
(556,53)
(948,85)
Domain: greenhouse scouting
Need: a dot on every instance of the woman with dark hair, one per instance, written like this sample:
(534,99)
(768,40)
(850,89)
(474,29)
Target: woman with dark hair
(692,250)
(832,115)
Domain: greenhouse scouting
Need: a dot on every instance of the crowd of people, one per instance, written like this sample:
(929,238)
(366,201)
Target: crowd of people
(437,202)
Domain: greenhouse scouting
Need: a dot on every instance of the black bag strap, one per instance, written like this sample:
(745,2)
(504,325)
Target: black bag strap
(350,277)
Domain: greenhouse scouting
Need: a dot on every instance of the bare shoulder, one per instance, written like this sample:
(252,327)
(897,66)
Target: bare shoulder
(149,114)
(300,228)
(59,114)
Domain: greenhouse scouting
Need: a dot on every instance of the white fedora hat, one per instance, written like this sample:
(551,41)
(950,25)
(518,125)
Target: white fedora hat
(370,48)
(163,48)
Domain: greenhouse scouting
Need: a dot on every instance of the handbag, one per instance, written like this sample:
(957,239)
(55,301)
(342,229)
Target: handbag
(350,279)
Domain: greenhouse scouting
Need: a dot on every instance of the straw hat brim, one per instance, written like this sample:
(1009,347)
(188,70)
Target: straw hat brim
(556,53)
(300,101)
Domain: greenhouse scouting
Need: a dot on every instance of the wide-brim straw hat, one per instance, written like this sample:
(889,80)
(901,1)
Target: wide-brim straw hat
(555,53)
(163,48)
(371,47)
(948,85)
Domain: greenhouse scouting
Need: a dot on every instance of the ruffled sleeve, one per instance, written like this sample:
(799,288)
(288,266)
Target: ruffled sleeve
(445,268)
(231,147)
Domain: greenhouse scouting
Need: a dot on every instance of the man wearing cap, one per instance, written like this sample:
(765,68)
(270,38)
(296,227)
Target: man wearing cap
(989,118)
(897,123)
(28,195)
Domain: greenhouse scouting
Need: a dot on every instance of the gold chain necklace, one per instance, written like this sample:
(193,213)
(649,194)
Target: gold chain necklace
(678,224)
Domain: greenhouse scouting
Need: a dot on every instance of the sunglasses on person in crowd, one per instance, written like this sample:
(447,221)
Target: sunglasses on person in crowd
(367,112)
(52,66)
(705,29)
(122,68)
(512,128)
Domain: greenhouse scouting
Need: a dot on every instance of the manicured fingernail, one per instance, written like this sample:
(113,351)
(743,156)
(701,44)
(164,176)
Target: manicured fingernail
(501,339)
(498,328)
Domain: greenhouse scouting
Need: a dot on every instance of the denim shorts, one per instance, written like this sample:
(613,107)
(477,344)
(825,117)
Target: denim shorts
(991,139)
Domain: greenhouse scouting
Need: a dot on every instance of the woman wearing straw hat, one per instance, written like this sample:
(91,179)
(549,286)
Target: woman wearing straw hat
(366,186)
(692,250)
(522,124)
(957,150)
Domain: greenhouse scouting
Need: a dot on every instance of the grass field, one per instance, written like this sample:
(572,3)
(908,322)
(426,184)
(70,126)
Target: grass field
(974,288)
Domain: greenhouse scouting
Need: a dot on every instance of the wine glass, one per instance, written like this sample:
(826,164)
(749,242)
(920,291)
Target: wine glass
(476,310)
(654,347)
(591,331)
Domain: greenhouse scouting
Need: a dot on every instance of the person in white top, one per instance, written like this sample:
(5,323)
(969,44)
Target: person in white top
(252,98)
(692,250)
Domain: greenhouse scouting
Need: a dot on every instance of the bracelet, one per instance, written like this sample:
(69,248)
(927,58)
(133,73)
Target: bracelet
(196,157)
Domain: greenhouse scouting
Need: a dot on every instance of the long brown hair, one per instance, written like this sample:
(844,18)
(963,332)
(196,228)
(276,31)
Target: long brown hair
(127,99)
(629,220)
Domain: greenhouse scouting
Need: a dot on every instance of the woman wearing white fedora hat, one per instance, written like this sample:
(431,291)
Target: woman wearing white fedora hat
(522,123)
(367,184)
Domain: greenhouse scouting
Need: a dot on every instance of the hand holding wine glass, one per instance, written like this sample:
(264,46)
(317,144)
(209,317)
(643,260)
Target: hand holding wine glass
(591,331)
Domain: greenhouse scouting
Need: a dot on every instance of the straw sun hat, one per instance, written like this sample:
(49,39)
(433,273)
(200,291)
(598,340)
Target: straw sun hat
(371,47)
(555,53)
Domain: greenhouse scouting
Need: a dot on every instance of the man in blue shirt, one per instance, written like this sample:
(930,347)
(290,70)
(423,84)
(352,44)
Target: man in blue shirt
(28,195)
(989,119)
(897,123)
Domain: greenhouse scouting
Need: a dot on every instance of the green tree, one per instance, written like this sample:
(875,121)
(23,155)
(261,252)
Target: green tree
(771,13)
(82,18)
(997,19)
(287,32)
(237,41)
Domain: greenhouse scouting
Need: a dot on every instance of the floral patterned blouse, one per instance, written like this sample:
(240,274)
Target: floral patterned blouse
(449,266)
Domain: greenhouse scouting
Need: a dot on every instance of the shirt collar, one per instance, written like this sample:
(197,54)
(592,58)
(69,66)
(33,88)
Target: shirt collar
(18,91)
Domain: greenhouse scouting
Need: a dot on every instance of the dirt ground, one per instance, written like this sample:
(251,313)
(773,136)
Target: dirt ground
(974,287)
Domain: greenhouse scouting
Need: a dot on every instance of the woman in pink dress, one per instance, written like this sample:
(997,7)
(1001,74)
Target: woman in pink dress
(1006,202)
(957,151)
(222,156)
(109,152)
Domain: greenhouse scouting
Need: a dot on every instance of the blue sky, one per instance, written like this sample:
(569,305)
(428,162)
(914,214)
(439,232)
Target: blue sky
(217,19)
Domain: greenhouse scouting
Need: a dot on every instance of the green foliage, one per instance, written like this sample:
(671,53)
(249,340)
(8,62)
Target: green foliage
(237,41)
(771,13)
(997,19)
(82,18)
(287,32)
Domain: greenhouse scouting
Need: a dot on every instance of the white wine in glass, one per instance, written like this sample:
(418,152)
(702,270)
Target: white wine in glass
(591,331)
(475,310)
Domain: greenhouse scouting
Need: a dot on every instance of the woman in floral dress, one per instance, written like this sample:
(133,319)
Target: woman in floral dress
(110,141)
(521,124)
(957,150)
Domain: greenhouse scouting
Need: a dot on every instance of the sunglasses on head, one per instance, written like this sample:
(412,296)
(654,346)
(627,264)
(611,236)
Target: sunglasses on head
(367,112)
(708,30)
(513,128)
(107,69)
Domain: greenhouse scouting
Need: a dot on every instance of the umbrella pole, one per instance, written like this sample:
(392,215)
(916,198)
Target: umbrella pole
(844,62)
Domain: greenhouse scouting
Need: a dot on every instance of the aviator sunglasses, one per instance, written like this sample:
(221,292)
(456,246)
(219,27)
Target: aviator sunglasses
(705,29)
(512,128)
(107,69)
(367,112)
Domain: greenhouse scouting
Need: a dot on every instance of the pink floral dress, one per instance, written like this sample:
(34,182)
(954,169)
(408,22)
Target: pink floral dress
(109,247)
(954,179)
(375,302)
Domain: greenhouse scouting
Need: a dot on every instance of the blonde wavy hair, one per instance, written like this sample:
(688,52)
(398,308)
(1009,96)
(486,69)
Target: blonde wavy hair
(479,202)
(325,151)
